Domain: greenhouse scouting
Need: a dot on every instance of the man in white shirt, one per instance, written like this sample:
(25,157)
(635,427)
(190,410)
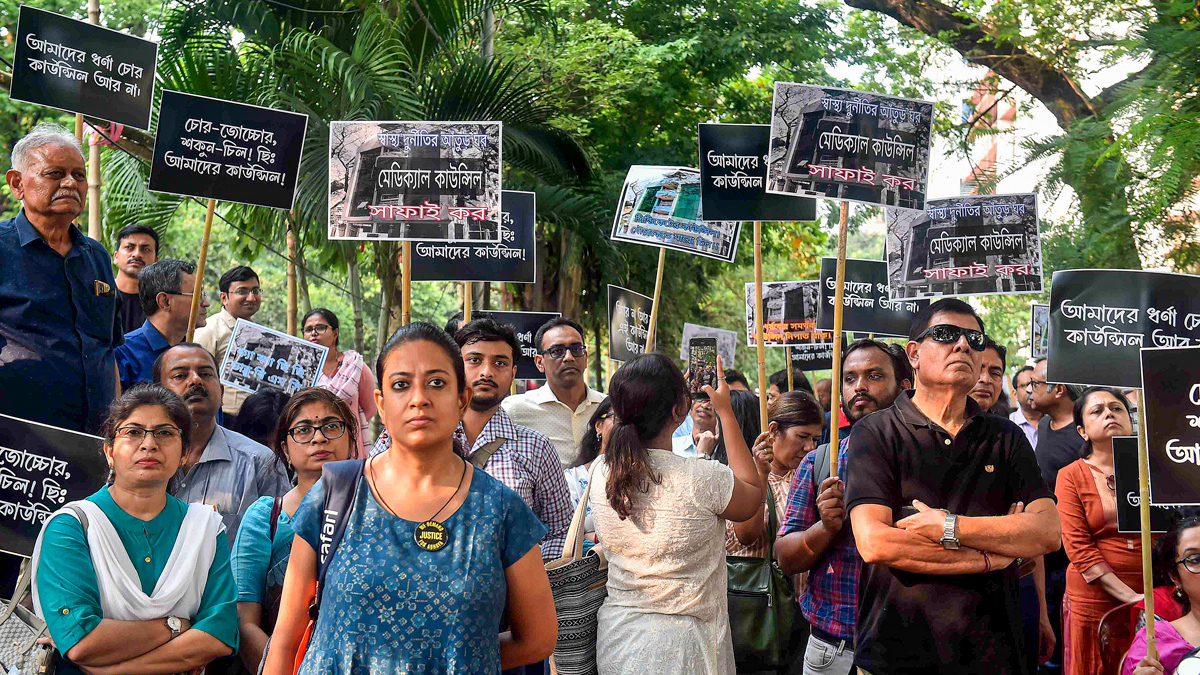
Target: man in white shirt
(702,440)
(241,297)
(562,408)
(1025,416)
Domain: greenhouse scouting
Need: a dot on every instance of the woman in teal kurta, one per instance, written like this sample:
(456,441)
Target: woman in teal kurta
(144,437)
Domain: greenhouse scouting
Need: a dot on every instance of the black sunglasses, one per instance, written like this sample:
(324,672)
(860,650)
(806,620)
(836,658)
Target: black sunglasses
(557,352)
(948,334)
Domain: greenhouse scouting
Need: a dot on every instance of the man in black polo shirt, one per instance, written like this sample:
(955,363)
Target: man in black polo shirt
(938,590)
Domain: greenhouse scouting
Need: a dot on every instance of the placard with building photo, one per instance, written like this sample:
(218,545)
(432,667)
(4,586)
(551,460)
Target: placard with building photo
(849,145)
(660,206)
(789,314)
(259,357)
(1039,330)
(967,245)
(726,342)
(418,181)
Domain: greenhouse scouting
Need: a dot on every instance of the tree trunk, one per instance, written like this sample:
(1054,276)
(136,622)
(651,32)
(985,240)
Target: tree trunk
(596,362)
(302,281)
(352,273)
(570,275)
(385,258)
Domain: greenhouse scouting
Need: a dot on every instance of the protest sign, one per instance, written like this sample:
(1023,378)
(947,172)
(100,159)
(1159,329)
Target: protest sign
(1171,396)
(259,357)
(628,323)
(419,181)
(526,325)
(41,468)
(726,342)
(228,151)
(733,174)
(968,245)
(660,206)
(1039,329)
(1100,319)
(813,356)
(83,68)
(849,145)
(866,307)
(1125,467)
(511,260)
(789,314)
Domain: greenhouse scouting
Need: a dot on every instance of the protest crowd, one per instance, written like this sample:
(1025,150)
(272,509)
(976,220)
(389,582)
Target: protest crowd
(278,504)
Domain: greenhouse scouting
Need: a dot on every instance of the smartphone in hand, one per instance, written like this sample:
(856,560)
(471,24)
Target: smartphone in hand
(702,354)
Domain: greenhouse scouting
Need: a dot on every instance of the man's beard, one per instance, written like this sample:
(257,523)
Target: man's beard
(480,403)
(847,406)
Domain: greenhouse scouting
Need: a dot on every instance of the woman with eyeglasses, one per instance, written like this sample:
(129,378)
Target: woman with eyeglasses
(595,439)
(314,428)
(1106,565)
(1177,552)
(131,579)
(344,373)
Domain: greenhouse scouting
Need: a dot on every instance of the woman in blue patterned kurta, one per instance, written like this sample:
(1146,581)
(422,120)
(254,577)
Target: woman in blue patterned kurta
(392,607)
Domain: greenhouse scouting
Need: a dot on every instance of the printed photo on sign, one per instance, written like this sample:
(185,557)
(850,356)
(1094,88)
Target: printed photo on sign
(1039,330)
(419,181)
(789,314)
(866,307)
(1129,514)
(511,260)
(1100,319)
(849,145)
(41,468)
(733,174)
(259,357)
(75,66)
(968,245)
(726,342)
(628,323)
(526,325)
(228,151)
(1171,396)
(660,206)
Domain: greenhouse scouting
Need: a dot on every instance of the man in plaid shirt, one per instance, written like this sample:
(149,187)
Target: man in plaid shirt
(815,536)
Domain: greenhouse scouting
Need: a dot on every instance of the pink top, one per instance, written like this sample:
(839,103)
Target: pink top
(1171,648)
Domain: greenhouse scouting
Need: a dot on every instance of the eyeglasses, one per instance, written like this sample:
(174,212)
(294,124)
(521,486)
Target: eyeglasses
(203,295)
(160,434)
(1034,384)
(1191,562)
(243,292)
(948,334)
(315,329)
(331,430)
(557,352)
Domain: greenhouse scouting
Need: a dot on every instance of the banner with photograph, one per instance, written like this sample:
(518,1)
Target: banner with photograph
(733,174)
(660,206)
(526,325)
(259,357)
(228,151)
(1039,330)
(1171,394)
(628,323)
(511,260)
(968,245)
(419,181)
(789,314)
(1129,514)
(41,468)
(75,66)
(726,342)
(1100,320)
(849,145)
(866,307)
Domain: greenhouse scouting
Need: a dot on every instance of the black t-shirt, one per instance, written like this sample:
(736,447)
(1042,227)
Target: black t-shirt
(917,623)
(129,311)
(1056,449)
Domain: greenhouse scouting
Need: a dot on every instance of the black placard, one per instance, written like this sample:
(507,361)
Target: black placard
(813,357)
(1171,377)
(849,145)
(733,174)
(41,468)
(628,323)
(526,325)
(1129,515)
(259,357)
(232,152)
(91,70)
(866,307)
(512,260)
(1099,319)
(789,315)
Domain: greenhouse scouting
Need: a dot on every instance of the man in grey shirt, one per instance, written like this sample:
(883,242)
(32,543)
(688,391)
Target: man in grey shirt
(221,468)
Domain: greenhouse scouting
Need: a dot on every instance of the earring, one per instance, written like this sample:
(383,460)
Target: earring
(1177,594)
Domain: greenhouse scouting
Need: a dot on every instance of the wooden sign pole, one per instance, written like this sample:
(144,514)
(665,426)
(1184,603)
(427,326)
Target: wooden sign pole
(835,390)
(652,329)
(758,326)
(466,291)
(787,357)
(95,227)
(196,288)
(292,288)
(406,283)
(1144,507)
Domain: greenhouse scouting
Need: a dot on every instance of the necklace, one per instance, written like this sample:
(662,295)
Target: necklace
(429,535)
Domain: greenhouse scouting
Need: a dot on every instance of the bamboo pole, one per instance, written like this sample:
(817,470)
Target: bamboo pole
(466,291)
(758,326)
(651,333)
(406,284)
(292,287)
(1144,508)
(95,227)
(196,288)
(835,390)
(787,356)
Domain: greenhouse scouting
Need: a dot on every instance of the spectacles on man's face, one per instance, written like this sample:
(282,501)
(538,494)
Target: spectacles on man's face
(557,352)
(1191,563)
(160,434)
(331,430)
(246,292)
(1034,384)
(316,329)
(203,295)
(948,334)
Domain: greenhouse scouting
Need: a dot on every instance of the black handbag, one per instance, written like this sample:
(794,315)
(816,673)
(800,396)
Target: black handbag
(762,605)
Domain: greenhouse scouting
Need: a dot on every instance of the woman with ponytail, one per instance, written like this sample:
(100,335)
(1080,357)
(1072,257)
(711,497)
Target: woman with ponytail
(662,520)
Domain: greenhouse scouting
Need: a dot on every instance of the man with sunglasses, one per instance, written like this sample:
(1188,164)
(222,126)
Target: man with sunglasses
(241,296)
(221,468)
(166,289)
(942,499)
(562,408)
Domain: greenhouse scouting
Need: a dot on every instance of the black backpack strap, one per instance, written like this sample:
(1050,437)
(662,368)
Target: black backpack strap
(341,481)
(820,468)
(276,509)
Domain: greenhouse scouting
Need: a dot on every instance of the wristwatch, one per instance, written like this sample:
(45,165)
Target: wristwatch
(950,532)
(175,625)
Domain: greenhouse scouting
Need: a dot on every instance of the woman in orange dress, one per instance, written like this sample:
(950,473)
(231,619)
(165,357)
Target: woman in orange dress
(1106,566)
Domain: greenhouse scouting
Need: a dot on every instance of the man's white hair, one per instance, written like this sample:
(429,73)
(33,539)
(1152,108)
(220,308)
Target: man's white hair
(45,133)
